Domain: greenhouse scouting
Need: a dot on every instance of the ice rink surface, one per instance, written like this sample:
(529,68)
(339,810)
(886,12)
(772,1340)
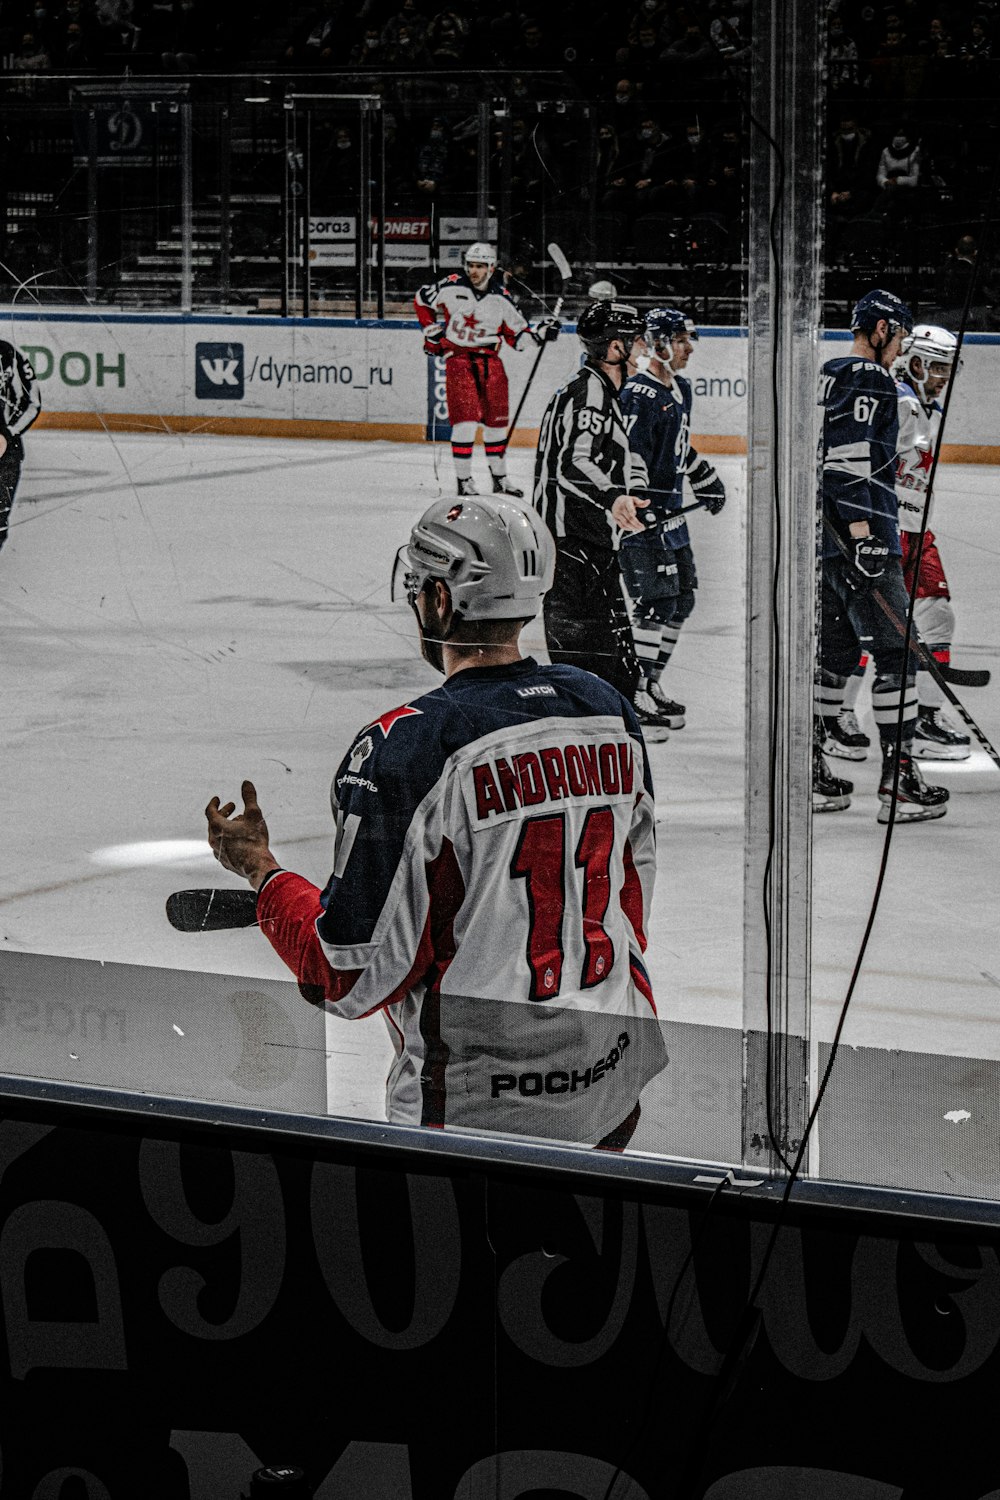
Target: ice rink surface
(183,612)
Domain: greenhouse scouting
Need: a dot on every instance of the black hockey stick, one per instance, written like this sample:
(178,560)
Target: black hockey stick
(966,676)
(920,651)
(563,267)
(211,910)
(654,521)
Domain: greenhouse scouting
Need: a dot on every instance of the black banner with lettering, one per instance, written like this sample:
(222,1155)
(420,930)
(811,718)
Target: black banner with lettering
(186,1301)
(121,132)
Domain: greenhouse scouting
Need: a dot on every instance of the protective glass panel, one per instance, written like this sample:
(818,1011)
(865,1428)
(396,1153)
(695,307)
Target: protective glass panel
(909,208)
(194,598)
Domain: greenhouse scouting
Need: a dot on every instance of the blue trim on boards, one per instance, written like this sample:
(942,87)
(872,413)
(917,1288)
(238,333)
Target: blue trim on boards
(216,320)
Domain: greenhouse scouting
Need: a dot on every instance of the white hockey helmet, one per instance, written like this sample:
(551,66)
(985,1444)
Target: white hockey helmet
(933,345)
(482,253)
(497,558)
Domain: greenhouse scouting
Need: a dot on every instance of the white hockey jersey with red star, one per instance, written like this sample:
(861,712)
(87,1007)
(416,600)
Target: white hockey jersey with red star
(471,320)
(490,894)
(919,426)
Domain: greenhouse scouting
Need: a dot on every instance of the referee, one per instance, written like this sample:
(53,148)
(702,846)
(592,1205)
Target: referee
(581,489)
(19,406)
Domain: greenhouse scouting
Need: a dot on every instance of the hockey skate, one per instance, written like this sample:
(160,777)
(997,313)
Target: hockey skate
(467,487)
(935,739)
(845,738)
(671,711)
(655,725)
(916,802)
(503,486)
(829,793)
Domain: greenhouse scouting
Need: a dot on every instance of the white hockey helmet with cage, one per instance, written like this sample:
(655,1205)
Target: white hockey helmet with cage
(933,345)
(497,558)
(482,254)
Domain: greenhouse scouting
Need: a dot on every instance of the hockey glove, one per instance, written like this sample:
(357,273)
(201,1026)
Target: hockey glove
(708,488)
(433,339)
(546,330)
(868,558)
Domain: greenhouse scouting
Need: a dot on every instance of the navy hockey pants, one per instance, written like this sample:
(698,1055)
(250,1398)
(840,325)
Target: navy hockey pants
(660,579)
(10,473)
(851,622)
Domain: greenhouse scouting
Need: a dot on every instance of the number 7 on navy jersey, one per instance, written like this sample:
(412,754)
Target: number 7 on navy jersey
(539,860)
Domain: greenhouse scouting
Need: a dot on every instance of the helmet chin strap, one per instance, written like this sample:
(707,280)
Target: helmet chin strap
(432,646)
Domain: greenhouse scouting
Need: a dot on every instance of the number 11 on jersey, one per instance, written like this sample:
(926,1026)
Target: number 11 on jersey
(539,861)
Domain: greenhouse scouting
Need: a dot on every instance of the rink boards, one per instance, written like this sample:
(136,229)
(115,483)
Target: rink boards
(342,378)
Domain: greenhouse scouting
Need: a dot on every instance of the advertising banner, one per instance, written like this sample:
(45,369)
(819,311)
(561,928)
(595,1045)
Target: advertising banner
(333,242)
(372,376)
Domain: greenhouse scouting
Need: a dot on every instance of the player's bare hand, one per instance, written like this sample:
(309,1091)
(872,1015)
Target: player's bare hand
(240,841)
(624,511)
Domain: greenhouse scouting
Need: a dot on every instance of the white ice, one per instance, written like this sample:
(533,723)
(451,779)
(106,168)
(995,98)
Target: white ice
(183,612)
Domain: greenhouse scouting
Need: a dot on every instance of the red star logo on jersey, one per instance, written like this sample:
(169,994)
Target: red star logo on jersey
(387,720)
(926,461)
(470,321)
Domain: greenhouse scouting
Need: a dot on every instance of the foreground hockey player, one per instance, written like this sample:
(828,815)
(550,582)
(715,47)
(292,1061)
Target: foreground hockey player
(583,471)
(861,552)
(658,563)
(19,406)
(493,865)
(465,318)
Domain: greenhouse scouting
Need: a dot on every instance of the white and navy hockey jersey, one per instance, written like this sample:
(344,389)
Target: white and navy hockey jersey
(919,425)
(491,887)
(472,321)
(658,423)
(859,446)
(19,399)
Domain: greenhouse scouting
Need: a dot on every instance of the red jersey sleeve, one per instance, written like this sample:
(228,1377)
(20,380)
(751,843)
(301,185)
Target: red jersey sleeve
(287,909)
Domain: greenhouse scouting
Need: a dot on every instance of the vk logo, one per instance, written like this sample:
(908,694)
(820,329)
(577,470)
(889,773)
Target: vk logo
(218,372)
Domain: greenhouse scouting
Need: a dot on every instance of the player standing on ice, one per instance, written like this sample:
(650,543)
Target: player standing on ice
(861,552)
(19,406)
(493,866)
(466,317)
(922,372)
(583,474)
(658,563)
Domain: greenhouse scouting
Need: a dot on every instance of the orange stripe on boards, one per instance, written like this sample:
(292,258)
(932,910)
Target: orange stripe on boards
(89,421)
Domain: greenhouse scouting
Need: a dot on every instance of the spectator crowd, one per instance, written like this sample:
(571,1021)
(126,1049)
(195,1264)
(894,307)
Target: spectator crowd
(910,114)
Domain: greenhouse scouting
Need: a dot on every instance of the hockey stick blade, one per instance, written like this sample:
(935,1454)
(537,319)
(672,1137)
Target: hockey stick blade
(560,262)
(967,676)
(211,910)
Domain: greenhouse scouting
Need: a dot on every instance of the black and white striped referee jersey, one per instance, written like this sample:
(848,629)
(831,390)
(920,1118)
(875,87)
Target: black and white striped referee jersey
(583,463)
(19,399)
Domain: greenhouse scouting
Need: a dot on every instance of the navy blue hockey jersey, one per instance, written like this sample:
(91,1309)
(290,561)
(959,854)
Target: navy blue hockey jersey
(658,423)
(492,877)
(859,443)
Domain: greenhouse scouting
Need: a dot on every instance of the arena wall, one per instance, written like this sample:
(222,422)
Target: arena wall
(341,378)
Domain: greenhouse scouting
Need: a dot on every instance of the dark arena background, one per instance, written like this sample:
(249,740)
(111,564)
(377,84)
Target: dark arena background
(222,1272)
